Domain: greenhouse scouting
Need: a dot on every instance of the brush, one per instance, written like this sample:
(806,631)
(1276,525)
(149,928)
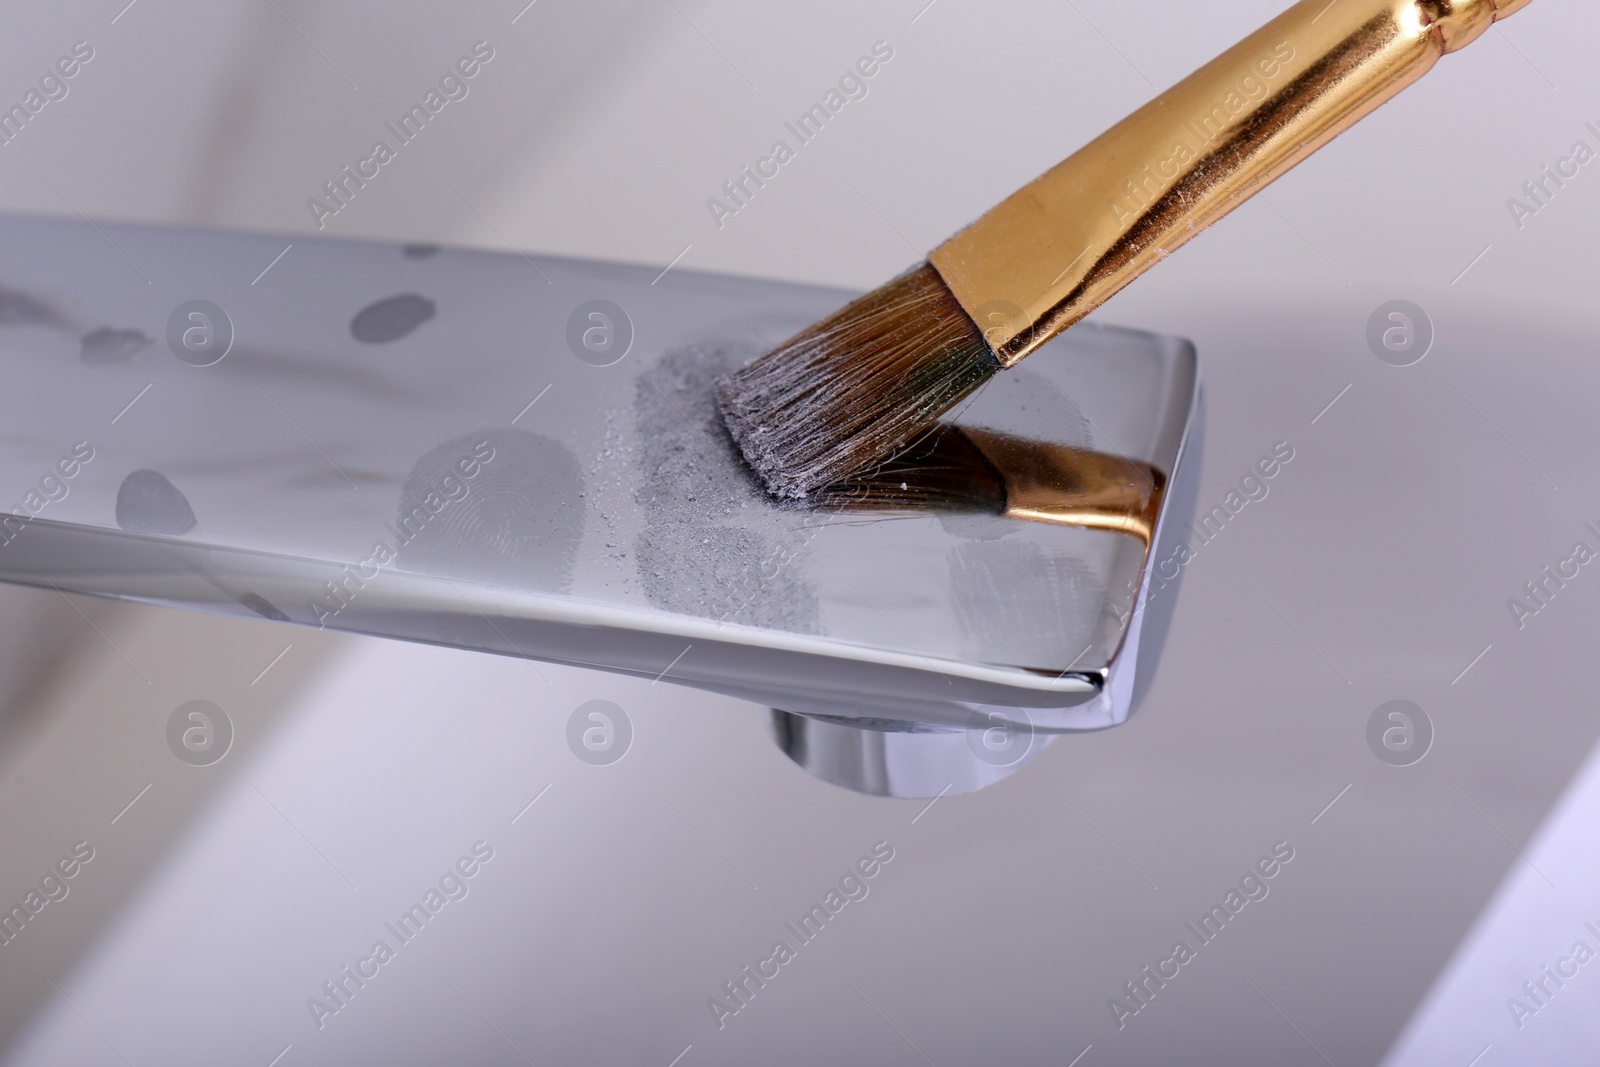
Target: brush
(851,389)
(967,470)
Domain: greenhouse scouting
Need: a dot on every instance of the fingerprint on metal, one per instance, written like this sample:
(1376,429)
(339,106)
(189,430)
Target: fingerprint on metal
(1021,604)
(498,506)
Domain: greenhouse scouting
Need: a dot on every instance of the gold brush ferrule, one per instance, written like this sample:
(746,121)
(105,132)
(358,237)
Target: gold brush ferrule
(1062,245)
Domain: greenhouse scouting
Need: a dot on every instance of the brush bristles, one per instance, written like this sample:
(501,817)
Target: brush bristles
(849,391)
(941,470)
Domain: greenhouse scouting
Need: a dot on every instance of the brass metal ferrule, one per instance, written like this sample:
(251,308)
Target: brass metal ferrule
(1062,245)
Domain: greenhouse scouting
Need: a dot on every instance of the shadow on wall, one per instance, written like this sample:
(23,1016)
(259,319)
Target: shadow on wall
(95,759)
(38,629)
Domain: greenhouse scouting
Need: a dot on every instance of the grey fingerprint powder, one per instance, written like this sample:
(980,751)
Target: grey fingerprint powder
(498,506)
(148,503)
(1022,605)
(714,545)
(391,319)
(111,345)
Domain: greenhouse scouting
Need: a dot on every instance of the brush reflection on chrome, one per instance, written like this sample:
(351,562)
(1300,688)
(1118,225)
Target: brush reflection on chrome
(959,469)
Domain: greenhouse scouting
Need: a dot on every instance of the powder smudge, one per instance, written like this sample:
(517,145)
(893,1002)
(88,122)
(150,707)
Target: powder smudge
(516,522)
(714,544)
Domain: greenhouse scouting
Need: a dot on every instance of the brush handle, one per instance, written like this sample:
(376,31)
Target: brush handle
(1062,245)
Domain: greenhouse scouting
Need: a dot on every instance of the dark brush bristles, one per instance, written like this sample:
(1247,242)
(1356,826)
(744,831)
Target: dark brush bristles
(847,392)
(941,470)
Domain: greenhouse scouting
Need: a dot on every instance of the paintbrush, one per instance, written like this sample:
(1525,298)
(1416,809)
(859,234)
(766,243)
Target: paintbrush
(966,470)
(850,390)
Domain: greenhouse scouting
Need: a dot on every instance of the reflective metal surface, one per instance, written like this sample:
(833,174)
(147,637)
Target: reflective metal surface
(521,456)
(895,760)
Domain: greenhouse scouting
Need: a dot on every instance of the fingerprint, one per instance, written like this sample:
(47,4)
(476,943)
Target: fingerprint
(497,506)
(148,503)
(725,573)
(391,319)
(1023,606)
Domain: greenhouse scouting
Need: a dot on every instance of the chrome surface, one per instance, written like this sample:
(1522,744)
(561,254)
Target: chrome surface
(518,456)
(889,760)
